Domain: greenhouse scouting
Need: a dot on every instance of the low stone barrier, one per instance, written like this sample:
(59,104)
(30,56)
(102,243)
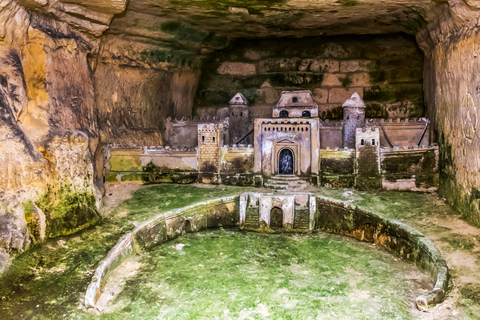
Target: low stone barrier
(332,216)
(343,218)
(163,227)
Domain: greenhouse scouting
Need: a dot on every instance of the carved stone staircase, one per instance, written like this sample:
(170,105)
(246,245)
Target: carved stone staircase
(286,182)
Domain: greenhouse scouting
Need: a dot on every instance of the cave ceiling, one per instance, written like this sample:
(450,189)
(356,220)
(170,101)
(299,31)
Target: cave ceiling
(204,25)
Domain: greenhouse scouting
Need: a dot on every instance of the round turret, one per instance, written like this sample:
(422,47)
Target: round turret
(353,117)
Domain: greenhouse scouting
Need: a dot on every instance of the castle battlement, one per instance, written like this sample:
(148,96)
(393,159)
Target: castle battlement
(169,149)
(238,146)
(195,119)
(332,123)
(413,148)
(398,120)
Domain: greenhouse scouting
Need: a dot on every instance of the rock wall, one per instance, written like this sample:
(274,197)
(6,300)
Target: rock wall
(47,131)
(453,94)
(385,70)
(133,102)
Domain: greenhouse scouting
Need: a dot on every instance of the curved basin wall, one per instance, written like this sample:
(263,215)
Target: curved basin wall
(404,241)
(331,216)
(162,228)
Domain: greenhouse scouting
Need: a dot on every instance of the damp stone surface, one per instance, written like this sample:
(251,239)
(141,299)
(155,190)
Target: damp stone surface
(231,274)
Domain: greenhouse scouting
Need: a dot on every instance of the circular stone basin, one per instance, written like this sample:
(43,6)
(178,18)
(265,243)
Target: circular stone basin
(225,274)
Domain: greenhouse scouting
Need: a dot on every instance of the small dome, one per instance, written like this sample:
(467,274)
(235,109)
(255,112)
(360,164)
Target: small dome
(355,101)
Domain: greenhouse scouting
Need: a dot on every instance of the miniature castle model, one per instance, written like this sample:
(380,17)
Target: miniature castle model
(295,147)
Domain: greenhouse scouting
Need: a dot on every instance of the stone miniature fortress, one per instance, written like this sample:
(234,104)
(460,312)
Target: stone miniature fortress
(289,150)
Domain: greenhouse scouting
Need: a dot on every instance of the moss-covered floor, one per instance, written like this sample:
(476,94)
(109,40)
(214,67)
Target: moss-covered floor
(48,281)
(232,275)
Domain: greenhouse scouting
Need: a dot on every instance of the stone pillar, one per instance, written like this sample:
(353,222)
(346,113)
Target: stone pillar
(353,117)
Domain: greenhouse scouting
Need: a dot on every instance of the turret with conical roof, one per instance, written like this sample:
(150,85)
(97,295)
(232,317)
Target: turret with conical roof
(239,119)
(353,117)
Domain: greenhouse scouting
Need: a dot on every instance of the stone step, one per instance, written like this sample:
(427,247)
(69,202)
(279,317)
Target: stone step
(288,177)
(293,187)
(285,182)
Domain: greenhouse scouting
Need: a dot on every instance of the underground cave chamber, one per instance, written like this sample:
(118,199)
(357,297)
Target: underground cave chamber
(287,95)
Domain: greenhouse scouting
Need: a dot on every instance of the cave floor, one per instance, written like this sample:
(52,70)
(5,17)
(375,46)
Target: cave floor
(49,280)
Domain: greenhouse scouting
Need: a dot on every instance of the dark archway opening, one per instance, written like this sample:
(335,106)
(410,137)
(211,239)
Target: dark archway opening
(187,226)
(306,114)
(284,114)
(285,162)
(276,218)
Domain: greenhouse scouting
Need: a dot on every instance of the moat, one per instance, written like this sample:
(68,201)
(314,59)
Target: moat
(50,280)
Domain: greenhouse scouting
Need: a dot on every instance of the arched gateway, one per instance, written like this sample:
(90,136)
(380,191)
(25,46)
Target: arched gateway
(285,162)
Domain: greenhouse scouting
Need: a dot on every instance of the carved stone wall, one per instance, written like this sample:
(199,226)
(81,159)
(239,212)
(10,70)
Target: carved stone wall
(300,136)
(385,70)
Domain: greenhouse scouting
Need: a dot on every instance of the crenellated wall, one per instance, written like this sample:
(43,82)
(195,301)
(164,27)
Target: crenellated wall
(183,131)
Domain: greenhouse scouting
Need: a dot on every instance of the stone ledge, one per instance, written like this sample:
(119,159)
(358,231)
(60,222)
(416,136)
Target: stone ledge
(398,238)
(161,228)
(332,215)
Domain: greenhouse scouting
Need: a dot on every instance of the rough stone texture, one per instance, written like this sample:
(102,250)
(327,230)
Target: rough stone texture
(161,228)
(133,103)
(210,140)
(385,71)
(454,106)
(337,168)
(404,241)
(55,57)
(323,213)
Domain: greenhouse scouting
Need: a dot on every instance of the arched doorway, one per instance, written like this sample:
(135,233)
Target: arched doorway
(276,218)
(284,114)
(306,114)
(187,226)
(285,162)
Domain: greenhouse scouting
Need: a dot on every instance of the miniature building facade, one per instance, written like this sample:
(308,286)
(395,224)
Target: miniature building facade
(290,212)
(239,124)
(296,104)
(293,147)
(210,139)
(353,118)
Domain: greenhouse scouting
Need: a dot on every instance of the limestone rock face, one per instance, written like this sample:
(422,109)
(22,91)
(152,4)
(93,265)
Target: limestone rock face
(453,97)
(76,75)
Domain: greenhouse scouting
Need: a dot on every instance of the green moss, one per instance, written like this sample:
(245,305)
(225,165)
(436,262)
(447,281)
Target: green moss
(368,177)
(182,32)
(27,208)
(124,163)
(346,82)
(250,274)
(67,210)
(289,79)
(459,242)
(402,166)
(379,93)
(376,110)
(176,58)
(337,166)
(242,164)
(377,76)
(348,3)
(333,114)
(154,174)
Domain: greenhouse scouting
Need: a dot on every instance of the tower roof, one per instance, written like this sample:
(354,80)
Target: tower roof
(300,98)
(355,101)
(239,98)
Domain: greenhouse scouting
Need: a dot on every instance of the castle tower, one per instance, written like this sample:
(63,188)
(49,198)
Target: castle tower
(353,117)
(210,140)
(239,119)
